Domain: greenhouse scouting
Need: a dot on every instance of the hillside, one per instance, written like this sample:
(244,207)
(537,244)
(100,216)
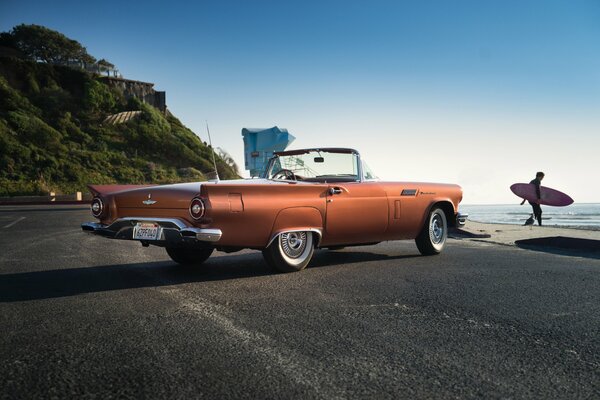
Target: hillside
(53,138)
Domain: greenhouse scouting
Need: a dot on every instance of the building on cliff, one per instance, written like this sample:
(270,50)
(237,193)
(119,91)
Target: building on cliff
(141,90)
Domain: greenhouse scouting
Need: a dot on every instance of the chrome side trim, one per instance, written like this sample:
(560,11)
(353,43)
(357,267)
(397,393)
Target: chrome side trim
(315,230)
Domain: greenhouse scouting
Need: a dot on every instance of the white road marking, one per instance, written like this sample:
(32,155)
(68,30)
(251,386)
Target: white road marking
(286,361)
(14,222)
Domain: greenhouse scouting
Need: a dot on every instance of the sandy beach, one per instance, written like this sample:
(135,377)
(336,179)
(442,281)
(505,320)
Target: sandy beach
(564,238)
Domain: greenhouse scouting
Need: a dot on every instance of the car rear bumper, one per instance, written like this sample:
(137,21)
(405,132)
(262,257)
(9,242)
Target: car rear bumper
(173,231)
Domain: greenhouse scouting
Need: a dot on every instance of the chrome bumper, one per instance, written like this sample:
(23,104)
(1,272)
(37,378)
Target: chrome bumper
(173,231)
(461,219)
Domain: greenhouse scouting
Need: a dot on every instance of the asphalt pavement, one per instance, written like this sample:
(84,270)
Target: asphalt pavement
(87,317)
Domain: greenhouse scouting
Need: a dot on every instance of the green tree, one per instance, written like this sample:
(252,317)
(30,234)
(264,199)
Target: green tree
(98,97)
(228,159)
(7,40)
(42,44)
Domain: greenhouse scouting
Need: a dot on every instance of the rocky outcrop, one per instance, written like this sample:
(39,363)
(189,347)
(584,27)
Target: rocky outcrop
(141,90)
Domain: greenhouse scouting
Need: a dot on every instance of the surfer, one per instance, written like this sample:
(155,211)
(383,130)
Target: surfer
(537,209)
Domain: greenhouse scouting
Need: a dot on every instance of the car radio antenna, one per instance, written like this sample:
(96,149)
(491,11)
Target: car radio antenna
(213,153)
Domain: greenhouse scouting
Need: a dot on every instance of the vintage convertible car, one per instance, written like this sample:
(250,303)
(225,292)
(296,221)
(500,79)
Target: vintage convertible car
(307,199)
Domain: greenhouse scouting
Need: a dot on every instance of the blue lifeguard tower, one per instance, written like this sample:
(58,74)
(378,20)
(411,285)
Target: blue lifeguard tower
(259,146)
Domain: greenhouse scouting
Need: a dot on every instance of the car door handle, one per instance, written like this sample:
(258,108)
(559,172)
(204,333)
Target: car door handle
(335,190)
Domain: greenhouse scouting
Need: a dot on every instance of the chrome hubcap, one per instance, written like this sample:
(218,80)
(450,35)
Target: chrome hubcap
(293,243)
(436,229)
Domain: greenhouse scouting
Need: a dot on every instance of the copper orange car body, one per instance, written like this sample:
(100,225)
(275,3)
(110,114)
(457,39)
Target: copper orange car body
(327,210)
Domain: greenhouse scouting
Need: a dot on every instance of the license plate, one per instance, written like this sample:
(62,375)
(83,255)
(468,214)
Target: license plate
(146,231)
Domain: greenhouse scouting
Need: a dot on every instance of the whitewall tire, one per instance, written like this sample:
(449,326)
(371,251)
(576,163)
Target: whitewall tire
(290,251)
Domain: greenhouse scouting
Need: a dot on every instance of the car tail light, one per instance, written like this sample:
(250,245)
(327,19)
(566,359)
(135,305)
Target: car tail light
(197,208)
(97,207)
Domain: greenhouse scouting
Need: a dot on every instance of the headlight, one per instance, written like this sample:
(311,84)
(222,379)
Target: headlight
(97,207)
(197,208)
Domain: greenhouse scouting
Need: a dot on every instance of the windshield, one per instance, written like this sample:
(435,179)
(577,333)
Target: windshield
(315,166)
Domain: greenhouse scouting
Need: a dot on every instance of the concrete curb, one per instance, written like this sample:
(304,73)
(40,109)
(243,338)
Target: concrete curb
(39,203)
(52,198)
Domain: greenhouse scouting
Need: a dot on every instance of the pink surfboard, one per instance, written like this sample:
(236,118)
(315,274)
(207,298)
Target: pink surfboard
(550,197)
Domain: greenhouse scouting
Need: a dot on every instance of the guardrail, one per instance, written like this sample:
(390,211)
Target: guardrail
(52,198)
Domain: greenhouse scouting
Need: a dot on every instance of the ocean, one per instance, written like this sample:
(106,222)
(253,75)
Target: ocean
(586,216)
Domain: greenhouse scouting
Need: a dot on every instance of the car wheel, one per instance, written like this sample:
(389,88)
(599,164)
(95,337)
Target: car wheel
(432,238)
(189,256)
(290,251)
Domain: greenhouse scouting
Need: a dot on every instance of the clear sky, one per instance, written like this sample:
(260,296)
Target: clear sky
(480,93)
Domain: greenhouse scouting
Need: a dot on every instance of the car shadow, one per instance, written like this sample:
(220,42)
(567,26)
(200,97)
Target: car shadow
(325,258)
(563,245)
(38,285)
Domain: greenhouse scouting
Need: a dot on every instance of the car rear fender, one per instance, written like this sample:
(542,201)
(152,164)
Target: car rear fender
(296,219)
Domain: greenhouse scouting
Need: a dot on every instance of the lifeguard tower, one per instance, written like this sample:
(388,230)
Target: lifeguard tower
(259,146)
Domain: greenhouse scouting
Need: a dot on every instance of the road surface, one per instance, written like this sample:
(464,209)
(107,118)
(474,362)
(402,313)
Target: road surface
(87,317)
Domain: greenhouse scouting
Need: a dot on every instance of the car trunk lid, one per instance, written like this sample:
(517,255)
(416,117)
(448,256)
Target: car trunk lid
(176,196)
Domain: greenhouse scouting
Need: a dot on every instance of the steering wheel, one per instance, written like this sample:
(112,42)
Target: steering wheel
(284,174)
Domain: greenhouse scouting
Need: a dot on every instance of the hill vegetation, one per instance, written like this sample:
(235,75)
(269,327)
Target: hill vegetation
(52,135)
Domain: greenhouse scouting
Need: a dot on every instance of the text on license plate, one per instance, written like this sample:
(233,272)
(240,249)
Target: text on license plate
(146,231)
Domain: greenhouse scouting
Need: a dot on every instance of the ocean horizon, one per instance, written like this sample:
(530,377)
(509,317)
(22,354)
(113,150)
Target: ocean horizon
(578,215)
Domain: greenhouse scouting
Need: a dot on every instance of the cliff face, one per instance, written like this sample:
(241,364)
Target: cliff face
(53,135)
(140,90)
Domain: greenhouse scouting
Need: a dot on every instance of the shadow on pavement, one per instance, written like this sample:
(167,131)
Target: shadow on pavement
(325,258)
(563,245)
(457,233)
(74,281)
